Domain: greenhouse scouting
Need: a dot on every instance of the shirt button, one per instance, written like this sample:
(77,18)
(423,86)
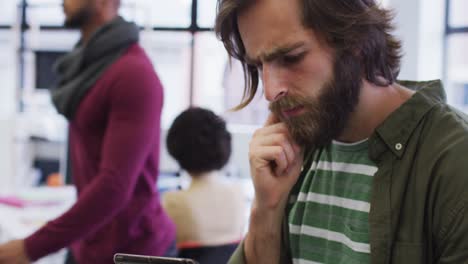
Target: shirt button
(398,146)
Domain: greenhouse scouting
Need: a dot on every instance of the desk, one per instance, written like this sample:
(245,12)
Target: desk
(48,203)
(41,204)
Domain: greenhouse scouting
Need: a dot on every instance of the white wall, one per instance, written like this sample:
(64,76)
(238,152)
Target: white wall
(6,154)
(7,72)
(7,108)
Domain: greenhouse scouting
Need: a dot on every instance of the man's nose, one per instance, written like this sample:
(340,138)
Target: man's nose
(273,86)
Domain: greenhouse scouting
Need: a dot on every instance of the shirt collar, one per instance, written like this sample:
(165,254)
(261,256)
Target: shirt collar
(396,130)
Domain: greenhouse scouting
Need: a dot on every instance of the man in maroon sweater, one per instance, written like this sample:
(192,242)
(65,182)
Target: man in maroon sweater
(113,99)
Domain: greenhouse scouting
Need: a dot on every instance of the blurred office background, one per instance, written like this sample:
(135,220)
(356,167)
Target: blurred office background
(193,67)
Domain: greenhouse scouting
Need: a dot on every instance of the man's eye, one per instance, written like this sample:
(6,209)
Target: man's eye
(292,59)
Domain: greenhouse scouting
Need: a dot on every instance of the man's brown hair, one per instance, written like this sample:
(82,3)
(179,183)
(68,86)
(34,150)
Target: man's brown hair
(357,27)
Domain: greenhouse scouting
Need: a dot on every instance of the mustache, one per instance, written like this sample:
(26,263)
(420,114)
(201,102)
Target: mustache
(288,102)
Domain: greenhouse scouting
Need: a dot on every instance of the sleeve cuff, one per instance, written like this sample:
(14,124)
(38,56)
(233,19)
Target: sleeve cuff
(35,247)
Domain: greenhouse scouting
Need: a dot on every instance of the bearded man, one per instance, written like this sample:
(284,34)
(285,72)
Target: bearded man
(352,166)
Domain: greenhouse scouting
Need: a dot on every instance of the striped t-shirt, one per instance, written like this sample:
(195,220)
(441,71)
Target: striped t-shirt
(329,206)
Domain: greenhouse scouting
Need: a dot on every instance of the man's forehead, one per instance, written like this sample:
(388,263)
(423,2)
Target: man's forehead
(273,52)
(269,26)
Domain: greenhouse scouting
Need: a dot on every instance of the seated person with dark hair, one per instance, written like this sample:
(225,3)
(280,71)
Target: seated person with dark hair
(211,212)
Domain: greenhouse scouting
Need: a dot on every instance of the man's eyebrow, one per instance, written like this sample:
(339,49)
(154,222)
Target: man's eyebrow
(273,54)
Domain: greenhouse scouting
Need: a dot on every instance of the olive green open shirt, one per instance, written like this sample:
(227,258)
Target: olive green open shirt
(419,202)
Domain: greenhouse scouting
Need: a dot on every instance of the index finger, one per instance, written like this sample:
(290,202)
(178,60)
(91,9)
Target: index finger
(271,120)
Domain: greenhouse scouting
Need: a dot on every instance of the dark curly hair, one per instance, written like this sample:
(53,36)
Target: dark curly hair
(199,141)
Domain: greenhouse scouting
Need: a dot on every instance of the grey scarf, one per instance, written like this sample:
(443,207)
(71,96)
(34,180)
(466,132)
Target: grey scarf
(81,68)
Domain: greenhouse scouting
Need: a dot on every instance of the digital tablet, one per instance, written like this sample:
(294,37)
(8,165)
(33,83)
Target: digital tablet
(120,258)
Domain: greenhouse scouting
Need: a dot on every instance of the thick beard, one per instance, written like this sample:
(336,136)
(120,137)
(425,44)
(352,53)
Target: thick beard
(326,116)
(79,19)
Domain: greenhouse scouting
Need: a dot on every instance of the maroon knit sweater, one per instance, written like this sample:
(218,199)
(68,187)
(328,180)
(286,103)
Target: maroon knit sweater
(114,144)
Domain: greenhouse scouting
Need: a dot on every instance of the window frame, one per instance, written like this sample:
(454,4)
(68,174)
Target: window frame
(449,31)
(192,29)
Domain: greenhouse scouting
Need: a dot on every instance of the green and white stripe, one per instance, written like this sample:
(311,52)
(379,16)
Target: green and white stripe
(328,219)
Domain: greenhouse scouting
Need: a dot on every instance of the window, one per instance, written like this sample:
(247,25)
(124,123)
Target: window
(458,17)
(219,85)
(206,13)
(210,63)
(45,13)
(8,12)
(191,63)
(7,72)
(455,53)
(158,13)
(174,13)
(170,54)
(457,69)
